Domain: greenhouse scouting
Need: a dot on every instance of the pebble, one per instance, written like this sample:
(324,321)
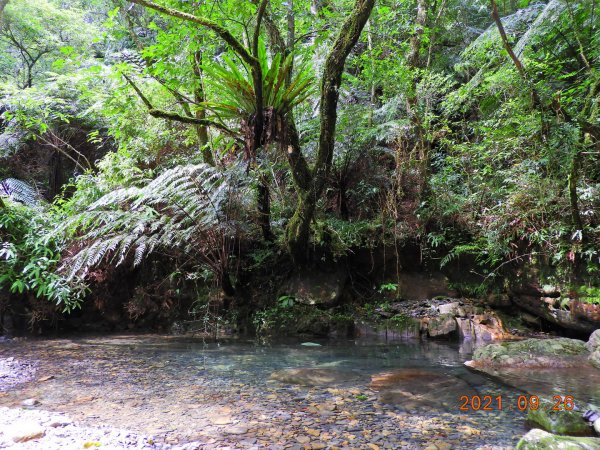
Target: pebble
(24,431)
(239,429)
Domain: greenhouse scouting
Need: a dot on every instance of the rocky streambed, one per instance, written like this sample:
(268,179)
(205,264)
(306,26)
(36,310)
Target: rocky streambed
(161,392)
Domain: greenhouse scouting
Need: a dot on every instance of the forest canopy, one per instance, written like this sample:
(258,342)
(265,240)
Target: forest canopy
(192,146)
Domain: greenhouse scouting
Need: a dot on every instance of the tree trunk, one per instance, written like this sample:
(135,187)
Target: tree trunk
(573,198)
(415,62)
(298,230)
(3,4)
(201,130)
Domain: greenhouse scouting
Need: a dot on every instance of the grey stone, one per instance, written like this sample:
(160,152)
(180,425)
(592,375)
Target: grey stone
(538,439)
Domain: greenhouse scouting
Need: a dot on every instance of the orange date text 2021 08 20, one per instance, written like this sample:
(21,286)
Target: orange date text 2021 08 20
(520,403)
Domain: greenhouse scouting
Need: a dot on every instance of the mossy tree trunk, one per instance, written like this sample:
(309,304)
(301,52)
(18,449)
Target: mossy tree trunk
(310,183)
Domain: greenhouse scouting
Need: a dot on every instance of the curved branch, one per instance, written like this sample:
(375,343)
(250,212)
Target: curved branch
(159,113)
(186,119)
(222,32)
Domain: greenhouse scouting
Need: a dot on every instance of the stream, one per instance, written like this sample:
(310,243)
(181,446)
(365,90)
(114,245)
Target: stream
(236,394)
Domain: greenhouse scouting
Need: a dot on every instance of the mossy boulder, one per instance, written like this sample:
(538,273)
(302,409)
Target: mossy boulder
(542,440)
(593,342)
(559,422)
(594,359)
(546,353)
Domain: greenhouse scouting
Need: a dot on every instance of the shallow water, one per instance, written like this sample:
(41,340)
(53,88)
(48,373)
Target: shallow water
(221,394)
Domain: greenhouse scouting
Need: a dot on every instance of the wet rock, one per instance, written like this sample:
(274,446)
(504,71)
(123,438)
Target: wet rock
(14,372)
(538,439)
(57,422)
(558,422)
(25,431)
(310,376)
(236,430)
(443,326)
(486,327)
(222,420)
(547,353)
(413,388)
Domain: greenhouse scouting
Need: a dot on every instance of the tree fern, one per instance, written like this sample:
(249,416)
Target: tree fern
(20,191)
(185,208)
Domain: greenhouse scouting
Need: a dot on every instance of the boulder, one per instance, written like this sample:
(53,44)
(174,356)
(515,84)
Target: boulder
(559,422)
(314,287)
(593,342)
(594,359)
(481,328)
(542,440)
(542,353)
(443,326)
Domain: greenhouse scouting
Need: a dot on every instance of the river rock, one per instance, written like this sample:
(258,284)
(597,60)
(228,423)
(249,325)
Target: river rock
(25,431)
(312,376)
(593,342)
(538,439)
(594,359)
(442,326)
(558,422)
(419,388)
(481,328)
(543,353)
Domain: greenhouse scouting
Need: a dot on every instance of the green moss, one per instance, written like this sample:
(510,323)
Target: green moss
(559,422)
(541,440)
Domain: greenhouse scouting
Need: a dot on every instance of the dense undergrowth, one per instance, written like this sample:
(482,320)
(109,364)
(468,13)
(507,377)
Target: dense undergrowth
(185,159)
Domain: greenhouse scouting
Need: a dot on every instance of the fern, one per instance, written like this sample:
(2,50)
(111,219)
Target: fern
(236,90)
(20,191)
(185,208)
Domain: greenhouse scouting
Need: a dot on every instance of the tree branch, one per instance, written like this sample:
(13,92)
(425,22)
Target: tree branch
(159,113)
(222,32)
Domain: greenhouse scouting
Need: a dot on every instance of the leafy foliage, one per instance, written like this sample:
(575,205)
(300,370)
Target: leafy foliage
(236,91)
(185,208)
(29,257)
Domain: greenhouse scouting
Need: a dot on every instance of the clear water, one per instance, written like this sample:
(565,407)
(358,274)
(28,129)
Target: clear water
(182,390)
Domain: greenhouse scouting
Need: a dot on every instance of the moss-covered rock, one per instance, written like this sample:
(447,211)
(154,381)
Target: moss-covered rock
(549,353)
(593,342)
(559,422)
(541,440)
(594,359)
